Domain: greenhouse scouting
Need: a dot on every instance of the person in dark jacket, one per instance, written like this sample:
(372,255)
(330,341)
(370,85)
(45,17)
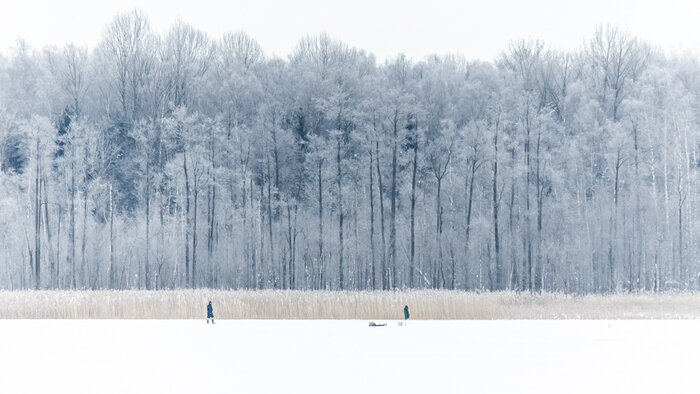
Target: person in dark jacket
(210,313)
(406,315)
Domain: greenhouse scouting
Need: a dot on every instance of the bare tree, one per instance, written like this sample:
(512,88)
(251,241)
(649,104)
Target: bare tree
(125,45)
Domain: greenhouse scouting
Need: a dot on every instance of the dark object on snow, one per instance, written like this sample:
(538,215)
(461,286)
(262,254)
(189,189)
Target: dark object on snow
(406,315)
(373,324)
(210,313)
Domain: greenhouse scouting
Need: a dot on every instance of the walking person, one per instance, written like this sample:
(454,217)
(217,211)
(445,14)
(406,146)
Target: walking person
(210,313)
(406,315)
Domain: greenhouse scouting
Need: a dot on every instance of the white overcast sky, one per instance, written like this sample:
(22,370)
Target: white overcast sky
(476,29)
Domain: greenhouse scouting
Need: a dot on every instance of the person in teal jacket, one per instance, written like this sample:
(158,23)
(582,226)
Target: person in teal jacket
(406,315)
(210,313)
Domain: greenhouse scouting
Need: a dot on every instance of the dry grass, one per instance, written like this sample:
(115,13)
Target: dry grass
(424,304)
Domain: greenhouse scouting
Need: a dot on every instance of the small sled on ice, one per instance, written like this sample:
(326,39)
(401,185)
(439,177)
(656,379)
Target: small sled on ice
(373,324)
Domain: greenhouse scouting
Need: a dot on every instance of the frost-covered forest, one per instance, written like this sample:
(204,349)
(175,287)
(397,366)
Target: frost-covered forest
(174,159)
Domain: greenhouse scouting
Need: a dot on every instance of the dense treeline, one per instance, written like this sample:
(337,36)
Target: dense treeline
(179,160)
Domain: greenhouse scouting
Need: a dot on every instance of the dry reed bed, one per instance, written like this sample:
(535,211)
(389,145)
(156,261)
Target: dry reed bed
(271,304)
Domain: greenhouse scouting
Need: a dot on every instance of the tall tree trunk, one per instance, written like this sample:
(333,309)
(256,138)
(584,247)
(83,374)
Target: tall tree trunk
(372,274)
(275,156)
(512,280)
(613,224)
(37,221)
(292,261)
(653,272)
(358,272)
(470,199)
(638,233)
(528,210)
(187,219)
(270,213)
(341,252)
(211,207)
(83,242)
(385,279)
(412,262)
(250,241)
(320,221)
(245,233)
(161,259)
(261,223)
(72,220)
(287,270)
(691,268)
(210,278)
(681,200)
(439,279)
(496,242)
(47,228)
(540,198)
(667,203)
(147,268)
(112,262)
(195,194)
(213,234)
(439,171)
(57,283)
(394,193)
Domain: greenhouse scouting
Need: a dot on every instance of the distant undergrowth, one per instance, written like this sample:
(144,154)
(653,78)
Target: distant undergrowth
(271,304)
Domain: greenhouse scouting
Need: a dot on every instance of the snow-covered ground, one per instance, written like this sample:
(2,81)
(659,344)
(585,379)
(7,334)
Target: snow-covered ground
(345,356)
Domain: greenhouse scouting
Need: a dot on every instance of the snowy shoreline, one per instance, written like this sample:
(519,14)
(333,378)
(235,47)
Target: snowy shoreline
(341,356)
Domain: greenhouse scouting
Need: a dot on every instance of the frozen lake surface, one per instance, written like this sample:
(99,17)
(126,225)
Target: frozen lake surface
(331,356)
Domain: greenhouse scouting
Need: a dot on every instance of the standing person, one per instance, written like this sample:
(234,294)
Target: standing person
(406,315)
(210,313)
